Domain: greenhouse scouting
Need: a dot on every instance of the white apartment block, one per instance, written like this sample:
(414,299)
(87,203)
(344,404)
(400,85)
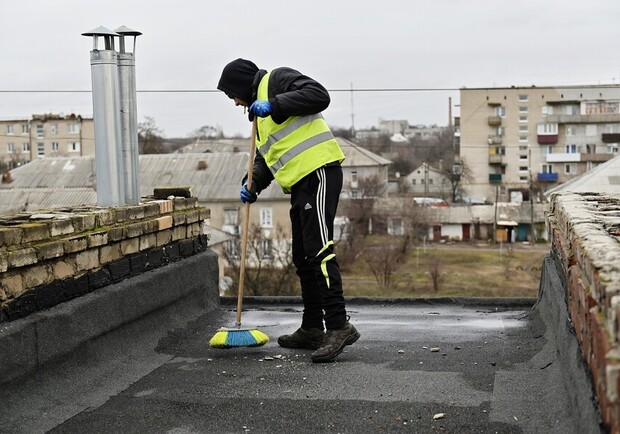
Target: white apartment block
(517,138)
(48,135)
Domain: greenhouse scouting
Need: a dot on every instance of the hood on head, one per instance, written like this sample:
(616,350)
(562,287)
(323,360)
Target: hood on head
(237,78)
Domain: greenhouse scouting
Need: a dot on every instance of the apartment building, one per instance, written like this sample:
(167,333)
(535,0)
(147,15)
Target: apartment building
(521,139)
(47,135)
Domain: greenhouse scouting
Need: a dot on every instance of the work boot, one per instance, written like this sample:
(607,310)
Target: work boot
(303,338)
(334,343)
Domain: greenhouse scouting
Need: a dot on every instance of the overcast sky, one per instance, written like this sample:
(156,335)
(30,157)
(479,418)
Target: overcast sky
(364,44)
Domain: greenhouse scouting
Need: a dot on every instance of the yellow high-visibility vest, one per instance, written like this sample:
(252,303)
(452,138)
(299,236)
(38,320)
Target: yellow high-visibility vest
(296,147)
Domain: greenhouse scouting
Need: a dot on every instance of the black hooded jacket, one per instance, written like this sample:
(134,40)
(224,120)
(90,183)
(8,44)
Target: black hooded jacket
(290,93)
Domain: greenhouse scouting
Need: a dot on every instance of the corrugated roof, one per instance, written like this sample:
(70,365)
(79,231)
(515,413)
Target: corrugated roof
(212,176)
(604,178)
(14,200)
(219,180)
(355,155)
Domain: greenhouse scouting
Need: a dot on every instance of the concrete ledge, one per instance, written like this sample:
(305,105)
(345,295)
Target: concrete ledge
(27,343)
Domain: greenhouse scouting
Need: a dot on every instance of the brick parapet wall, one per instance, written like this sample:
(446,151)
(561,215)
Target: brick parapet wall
(586,239)
(48,257)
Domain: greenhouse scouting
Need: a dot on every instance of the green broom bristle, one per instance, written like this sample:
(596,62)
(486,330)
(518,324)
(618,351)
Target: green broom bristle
(233,338)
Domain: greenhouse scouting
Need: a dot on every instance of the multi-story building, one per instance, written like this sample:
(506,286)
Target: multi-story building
(48,135)
(521,139)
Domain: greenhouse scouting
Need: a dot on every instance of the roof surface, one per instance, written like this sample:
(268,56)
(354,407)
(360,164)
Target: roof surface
(604,178)
(420,366)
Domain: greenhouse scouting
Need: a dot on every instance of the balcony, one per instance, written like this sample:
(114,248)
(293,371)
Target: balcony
(597,157)
(496,159)
(564,157)
(495,178)
(495,140)
(495,121)
(611,137)
(547,139)
(547,177)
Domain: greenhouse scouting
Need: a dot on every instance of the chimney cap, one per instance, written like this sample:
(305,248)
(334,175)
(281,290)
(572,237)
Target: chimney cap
(100,31)
(126,31)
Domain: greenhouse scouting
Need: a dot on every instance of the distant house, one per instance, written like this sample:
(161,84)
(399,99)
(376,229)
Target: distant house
(359,163)
(427,181)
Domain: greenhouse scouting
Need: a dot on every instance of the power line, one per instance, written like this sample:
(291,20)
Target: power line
(401,89)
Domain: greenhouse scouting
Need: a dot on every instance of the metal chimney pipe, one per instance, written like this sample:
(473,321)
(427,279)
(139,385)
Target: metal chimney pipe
(129,117)
(106,117)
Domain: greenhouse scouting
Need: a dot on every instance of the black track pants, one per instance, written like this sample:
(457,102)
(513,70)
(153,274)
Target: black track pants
(314,200)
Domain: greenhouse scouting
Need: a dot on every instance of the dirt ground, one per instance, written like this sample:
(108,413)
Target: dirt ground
(458,269)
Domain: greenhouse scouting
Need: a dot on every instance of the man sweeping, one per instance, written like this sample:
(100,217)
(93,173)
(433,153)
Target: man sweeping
(297,149)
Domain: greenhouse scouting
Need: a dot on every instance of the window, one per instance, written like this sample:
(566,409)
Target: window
(74,128)
(231,216)
(523,178)
(25,129)
(413,181)
(571,130)
(26,147)
(601,107)
(590,130)
(571,149)
(430,181)
(40,131)
(395,226)
(523,119)
(500,111)
(522,98)
(523,128)
(266,249)
(570,168)
(10,130)
(54,128)
(547,110)
(523,157)
(548,149)
(54,146)
(547,168)
(500,150)
(74,147)
(41,150)
(10,148)
(522,168)
(547,128)
(522,139)
(266,217)
(523,148)
(522,109)
(232,248)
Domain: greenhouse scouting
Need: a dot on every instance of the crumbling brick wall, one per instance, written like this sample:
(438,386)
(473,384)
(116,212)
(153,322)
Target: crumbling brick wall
(585,231)
(52,256)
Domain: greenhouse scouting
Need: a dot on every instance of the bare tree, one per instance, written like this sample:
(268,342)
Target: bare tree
(150,137)
(204,133)
(269,266)
(359,208)
(384,260)
(435,267)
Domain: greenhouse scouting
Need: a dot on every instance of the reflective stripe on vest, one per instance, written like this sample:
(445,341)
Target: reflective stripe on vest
(296,147)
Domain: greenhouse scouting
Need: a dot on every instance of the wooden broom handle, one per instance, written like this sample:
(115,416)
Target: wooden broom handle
(246,226)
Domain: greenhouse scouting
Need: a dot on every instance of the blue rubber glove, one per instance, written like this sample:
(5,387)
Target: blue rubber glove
(247,196)
(261,108)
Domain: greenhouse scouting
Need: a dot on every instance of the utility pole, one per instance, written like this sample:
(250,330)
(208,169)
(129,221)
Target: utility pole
(352,114)
(531,194)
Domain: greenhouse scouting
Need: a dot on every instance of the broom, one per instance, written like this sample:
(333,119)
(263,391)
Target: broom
(237,336)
